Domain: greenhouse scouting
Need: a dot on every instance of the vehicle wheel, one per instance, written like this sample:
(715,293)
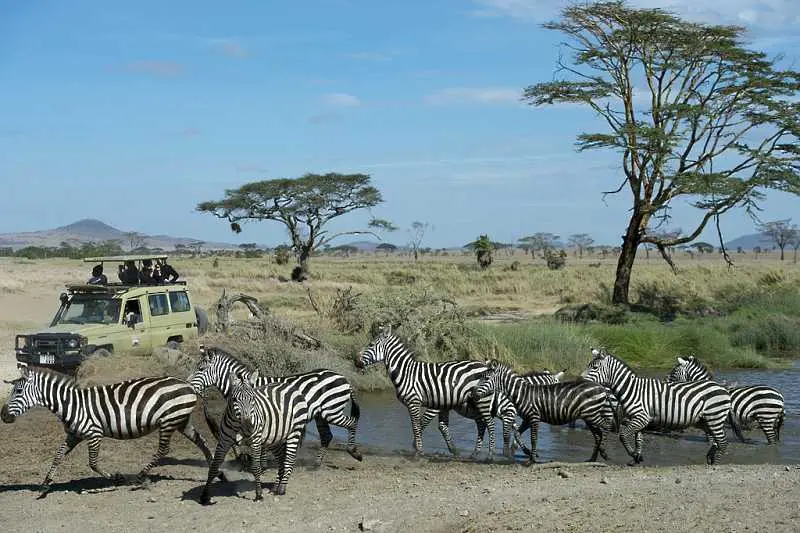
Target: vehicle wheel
(202,320)
(173,345)
(100,352)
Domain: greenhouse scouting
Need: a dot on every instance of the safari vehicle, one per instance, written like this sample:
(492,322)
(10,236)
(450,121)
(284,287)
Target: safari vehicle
(117,317)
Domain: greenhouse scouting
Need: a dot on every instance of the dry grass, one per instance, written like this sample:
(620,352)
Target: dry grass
(29,292)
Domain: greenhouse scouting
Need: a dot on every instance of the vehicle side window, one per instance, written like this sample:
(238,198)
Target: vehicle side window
(132,306)
(158,304)
(179,301)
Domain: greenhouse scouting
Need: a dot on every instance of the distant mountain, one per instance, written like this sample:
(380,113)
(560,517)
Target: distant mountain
(748,242)
(93,230)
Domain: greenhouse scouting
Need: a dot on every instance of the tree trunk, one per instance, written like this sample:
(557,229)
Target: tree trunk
(781,253)
(630,243)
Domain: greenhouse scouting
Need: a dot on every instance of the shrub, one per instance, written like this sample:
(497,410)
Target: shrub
(556,260)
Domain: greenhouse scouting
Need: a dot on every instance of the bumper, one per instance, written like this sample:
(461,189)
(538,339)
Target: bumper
(51,361)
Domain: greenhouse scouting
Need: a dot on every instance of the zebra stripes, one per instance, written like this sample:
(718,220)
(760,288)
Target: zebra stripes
(650,402)
(761,404)
(272,417)
(125,410)
(554,403)
(325,391)
(439,387)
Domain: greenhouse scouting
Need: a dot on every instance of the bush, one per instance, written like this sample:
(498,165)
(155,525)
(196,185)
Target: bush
(282,255)
(556,260)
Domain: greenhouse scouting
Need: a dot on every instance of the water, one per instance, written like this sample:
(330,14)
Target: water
(386,428)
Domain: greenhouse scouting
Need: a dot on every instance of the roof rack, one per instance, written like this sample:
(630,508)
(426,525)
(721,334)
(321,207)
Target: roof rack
(87,287)
(123,258)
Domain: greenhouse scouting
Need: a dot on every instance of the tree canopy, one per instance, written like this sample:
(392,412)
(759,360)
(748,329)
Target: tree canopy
(304,206)
(781,232)
(693,113)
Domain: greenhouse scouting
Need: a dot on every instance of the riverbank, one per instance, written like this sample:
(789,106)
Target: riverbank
(388,492)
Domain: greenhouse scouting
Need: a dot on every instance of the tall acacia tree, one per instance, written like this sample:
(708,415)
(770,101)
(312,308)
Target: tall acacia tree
(304,205)
(694,114)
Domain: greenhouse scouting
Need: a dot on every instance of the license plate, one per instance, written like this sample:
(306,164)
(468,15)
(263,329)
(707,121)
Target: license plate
(47,359)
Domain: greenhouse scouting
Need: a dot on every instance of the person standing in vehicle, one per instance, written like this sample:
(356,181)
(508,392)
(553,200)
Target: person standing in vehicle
(129,274)
(98,278)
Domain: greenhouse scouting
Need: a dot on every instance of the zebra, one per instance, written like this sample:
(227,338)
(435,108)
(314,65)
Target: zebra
(501,407)
(657,405)
(325,392)
(439,387)
(124,410)
(553,403)
(757,403)
(271,417)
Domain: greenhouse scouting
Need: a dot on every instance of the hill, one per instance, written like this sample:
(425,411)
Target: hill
(93,230)
(748,242)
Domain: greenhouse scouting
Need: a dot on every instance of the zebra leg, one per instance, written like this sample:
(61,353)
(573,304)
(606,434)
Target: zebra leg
(492,437)
(325,438)
(627,434)
(481,430)
(444,429)
(69,444)
(508,426)
(519,442)
(164,436)
(255,451)
(719,443)
(193,435)
(350,423)
(213,470)
(737,428)
(94,453)
(598,434)
(416,425)
(287,464)
(534,423)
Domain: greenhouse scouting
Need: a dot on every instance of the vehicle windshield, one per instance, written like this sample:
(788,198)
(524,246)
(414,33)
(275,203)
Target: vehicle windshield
(94,309)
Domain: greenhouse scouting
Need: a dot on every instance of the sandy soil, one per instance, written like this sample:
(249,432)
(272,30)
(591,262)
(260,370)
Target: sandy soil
(385,492)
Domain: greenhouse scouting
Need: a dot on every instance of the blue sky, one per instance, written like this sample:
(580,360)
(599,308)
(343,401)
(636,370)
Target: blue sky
(134,113)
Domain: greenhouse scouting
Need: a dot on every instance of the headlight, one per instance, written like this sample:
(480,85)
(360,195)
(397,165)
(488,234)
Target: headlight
(73,343)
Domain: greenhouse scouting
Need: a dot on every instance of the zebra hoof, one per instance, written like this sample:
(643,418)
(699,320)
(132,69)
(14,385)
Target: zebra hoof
(280,489)
(355,454)
(258,498)
(205,499)
(44,490)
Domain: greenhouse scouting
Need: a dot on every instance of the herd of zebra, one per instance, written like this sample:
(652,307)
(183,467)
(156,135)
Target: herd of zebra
(270,414)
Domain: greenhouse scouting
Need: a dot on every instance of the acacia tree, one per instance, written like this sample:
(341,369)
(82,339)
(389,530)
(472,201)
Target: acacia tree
(694,115)
(304,206)
(781,232)
(538,241)
(417,231)
(581,241)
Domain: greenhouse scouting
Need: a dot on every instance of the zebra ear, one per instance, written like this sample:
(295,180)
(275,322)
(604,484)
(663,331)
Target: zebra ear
(558,376)
(682,361)
(252,379)
(24,370)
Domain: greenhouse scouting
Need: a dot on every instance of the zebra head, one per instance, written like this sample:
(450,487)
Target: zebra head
(24,396)
(492,380)
(600,367)
(242,400)
(377,350)
(688,369)
(213,369)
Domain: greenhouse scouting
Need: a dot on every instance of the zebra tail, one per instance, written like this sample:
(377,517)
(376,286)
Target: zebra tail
(779,425)
(213,425)
(355,410)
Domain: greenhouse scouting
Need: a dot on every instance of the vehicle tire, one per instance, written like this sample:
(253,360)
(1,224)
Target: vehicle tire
(100,352)
(202,320)
(173,345)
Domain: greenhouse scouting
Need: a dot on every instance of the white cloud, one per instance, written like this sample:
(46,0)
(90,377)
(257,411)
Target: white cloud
(480,95)
(764,18)
(342,100)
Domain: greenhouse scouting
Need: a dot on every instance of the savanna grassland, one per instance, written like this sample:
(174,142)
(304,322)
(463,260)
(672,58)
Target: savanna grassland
(447,308)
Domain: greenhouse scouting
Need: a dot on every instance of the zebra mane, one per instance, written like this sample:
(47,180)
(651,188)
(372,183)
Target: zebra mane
(694,361)
(58,377)
(624,364)
(224,353)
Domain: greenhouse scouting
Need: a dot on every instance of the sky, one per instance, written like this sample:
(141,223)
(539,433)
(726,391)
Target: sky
(132,113)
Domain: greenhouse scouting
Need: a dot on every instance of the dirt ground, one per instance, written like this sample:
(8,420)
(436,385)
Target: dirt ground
(388,491)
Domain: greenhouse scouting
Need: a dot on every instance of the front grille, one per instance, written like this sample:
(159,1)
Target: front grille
(44,344)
